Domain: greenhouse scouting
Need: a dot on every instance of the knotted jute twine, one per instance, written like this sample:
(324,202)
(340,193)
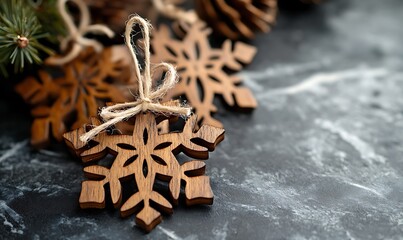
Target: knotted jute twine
(76,34)
(148,99)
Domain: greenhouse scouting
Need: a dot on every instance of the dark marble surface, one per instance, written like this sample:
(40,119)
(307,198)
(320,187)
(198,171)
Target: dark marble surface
(321,158)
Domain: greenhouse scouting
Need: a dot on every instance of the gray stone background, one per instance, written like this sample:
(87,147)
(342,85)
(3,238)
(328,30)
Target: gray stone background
(321,158)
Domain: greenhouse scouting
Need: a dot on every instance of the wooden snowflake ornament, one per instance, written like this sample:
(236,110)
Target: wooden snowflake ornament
(63,103)
(78,82)
(205,72)
(144,156)
(149,157)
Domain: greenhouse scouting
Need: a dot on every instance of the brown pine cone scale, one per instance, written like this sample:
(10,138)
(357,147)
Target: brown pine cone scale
(237,19)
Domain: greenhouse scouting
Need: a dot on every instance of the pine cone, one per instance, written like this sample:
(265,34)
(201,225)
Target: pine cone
(114,13)
(238,18)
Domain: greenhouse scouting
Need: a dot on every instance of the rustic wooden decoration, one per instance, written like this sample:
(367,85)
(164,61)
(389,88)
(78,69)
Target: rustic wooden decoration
(79,88)
(203,69)
(148,156)
(237,19)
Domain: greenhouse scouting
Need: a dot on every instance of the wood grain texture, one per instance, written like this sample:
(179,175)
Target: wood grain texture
(64,98)
(146,158)
(237,19)
(205,72)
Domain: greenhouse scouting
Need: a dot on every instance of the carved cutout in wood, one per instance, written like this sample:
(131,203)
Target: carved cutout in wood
(203,69)
(65,102)
(148,156)
(237,19)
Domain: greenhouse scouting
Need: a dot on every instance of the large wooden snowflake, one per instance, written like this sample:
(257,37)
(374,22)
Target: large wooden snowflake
(65,102)
(205,72)
(147,156)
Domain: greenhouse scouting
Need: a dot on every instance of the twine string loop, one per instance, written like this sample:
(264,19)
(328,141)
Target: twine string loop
(148,99)
(76,34)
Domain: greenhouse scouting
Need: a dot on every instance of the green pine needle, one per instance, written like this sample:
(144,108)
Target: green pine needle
(18,21)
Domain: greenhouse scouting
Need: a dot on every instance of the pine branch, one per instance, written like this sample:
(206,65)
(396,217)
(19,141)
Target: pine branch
(20,32)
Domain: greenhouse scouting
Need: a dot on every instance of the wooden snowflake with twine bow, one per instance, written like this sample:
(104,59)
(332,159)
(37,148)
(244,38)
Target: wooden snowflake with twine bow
(147,155)
(87,77)
(205,72)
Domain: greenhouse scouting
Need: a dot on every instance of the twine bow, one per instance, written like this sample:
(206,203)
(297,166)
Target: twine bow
(76,35)
(148,99)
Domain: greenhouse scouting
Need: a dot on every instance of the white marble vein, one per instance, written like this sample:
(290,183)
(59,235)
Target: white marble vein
(366,151)
(11,218)
(220,233)
(351,183)
(12,151)
(249,209)
(169,233)
(315,81)
(365,188)
(283,70)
